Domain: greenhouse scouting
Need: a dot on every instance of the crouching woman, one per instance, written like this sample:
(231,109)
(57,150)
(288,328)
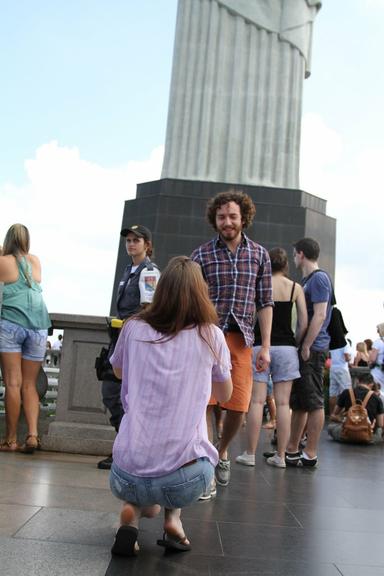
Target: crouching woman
(170,356)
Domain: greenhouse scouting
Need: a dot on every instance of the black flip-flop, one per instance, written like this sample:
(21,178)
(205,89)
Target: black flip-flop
(125,541)
(174,543)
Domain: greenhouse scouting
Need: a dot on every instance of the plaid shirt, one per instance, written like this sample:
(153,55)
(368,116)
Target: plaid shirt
(238,283)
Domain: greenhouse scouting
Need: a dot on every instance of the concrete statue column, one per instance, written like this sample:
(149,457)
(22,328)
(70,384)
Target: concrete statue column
(236,91)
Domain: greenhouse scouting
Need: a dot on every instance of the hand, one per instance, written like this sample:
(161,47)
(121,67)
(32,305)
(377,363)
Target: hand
(263,359)
(305,352)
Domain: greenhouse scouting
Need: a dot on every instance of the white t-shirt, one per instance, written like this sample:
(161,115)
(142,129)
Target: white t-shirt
(338,358)
(377,372)
(57,345)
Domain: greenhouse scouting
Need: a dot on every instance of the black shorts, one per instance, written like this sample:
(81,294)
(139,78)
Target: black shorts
(307,392)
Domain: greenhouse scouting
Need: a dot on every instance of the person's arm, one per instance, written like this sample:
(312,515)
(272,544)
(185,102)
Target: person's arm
(301,314)
(336,415)
(264,318)
(319,315)
(356,359)
(222,391)
(373,356)
(117,372)
(264,308)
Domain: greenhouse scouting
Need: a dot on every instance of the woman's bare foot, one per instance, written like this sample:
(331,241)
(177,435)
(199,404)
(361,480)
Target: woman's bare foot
(173,525)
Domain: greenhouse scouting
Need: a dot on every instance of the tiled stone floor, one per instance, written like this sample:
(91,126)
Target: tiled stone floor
(57,517)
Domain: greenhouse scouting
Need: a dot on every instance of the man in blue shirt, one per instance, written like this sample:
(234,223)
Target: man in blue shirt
(307,398)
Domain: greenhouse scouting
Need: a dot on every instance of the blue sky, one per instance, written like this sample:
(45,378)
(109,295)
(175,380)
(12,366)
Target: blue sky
(83,109)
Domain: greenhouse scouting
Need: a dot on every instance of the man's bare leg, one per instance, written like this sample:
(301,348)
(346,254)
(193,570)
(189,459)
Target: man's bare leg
(315,425)
(298,423)
(255,415)
(232,423)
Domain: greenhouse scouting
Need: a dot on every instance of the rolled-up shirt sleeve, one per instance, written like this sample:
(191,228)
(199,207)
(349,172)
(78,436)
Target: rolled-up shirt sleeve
(264,283)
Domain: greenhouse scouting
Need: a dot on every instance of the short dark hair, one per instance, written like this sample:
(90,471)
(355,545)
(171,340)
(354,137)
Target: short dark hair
(365,378)
(247,207)
(309,247)
(279,260)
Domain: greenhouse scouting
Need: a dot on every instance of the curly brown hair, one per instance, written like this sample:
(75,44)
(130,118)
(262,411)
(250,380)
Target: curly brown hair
(247,207)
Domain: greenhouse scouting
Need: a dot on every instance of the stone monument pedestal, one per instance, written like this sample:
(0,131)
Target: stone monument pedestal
(174,210)
(81,424)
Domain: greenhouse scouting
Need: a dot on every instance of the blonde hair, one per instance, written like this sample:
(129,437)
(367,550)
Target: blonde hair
(362,347)
(380,329)
(16,240)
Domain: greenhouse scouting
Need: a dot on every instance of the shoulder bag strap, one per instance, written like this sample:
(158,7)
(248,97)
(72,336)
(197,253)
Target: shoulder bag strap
(352,395)
(366,399)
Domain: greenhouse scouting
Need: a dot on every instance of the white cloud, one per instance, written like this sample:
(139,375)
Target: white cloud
(73,209)
(353,188)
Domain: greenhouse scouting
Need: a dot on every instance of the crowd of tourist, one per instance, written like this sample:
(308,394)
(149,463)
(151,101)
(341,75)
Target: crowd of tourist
(210,339)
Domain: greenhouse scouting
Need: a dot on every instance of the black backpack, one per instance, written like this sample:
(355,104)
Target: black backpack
(336,327)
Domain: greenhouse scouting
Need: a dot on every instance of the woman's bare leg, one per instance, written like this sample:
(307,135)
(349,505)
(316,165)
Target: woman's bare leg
(131,514)
(12,377)
(255,415)
(31,405)
(282,391)
(173,525)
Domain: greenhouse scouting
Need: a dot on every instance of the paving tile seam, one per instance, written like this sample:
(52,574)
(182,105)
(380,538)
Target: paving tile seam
(262,525)
(293,515)
(219,536)
(338,569)
(14,535)
(58,485)
(359,565)
(61,542)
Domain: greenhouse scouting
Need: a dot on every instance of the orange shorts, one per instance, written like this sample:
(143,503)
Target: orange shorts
(241,373)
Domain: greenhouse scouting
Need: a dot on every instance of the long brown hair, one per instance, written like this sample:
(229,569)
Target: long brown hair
(181,301)
(16,240)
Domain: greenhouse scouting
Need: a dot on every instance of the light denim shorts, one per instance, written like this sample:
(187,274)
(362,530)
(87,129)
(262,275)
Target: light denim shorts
(339,380)
(175,490)
(30,343)
(284,364)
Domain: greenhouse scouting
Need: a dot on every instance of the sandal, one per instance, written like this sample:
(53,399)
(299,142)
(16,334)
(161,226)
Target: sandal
(28,447)
(9,446)
(125,543)
(173,542)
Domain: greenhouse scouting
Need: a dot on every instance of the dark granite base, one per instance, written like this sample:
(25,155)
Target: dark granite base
(174,210)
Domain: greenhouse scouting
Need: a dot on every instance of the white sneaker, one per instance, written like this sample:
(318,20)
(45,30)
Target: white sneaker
(246,459)
(210,493)
(277,461)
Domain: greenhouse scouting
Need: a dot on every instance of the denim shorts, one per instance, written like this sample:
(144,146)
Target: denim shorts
(284,364)
(175,490)
(29,342)
(339,380)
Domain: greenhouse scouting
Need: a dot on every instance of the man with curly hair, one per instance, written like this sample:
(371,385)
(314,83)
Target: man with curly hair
(238,274)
